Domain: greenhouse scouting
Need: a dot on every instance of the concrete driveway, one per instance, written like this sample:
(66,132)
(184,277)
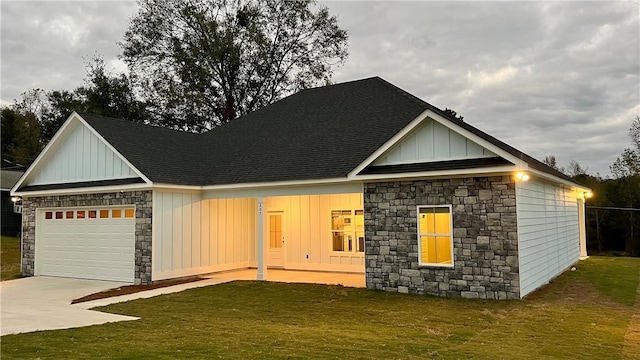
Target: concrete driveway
(43,303)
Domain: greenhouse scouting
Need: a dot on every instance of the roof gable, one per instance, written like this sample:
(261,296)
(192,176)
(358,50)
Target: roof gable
(319,133)
(82,157)
(431,141)
(77,154)
(329,133)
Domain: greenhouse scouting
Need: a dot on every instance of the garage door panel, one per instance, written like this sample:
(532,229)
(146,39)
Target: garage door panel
(92,248)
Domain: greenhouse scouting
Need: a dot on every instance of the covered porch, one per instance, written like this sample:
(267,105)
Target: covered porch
(314,230)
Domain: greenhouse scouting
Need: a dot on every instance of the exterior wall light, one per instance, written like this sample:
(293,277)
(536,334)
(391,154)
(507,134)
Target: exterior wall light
(587,195)
(15,199)
(522,176)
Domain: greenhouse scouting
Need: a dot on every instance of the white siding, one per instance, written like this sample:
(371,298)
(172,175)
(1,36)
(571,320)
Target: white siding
(195,236)
(548,232)
(192,235)
(82,157)
(432,141)
(308,228)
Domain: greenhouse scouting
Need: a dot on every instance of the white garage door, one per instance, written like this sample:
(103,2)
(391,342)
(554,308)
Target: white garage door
(89,243)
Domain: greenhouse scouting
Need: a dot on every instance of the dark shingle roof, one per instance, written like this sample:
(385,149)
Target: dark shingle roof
(316,133)
(8,178)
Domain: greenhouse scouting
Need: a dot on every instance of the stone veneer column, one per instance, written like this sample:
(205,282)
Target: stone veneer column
(485,237)
(143,228)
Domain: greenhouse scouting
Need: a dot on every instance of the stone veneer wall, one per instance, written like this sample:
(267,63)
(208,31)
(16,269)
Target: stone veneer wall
(141,199)
(485,237)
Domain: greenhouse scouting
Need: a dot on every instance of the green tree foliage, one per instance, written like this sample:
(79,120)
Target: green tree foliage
(625,190)
(575,169)
(201,63)
(20,138)
(612,225)
(453,114)
(104,94)
(634,133)
(550,160)
(627,164)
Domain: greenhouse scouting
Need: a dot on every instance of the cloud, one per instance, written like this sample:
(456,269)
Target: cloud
(558,78)
(47,44)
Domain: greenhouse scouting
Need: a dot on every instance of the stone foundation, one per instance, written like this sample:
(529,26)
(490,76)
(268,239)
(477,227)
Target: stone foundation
(143,230)
(485,238)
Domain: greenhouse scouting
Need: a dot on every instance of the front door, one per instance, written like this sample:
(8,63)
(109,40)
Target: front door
(275,235)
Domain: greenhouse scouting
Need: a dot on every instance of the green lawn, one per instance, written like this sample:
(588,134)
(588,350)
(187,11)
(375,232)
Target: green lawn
(9,258)
(581,315)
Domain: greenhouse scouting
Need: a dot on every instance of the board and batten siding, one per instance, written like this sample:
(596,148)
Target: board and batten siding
(308,231)
(82,157)
(194,236)
(548,232)
(432,141)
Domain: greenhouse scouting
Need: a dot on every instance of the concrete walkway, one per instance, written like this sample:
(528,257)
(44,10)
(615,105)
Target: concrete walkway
(44,303)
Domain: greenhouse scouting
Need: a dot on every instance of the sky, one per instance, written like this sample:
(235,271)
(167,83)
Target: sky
(549,78)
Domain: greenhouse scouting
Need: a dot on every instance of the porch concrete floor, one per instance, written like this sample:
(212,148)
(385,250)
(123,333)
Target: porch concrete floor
(292,276)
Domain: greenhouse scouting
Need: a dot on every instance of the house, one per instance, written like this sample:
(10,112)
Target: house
(356,177)
(10,222)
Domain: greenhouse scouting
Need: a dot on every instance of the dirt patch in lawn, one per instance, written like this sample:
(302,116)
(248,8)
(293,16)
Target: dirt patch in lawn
(132,289)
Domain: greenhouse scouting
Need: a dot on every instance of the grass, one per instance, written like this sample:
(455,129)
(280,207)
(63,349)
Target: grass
(580,315)
(9,258)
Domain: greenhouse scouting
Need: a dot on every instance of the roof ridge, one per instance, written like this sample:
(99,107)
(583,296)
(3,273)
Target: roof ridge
(84,116)
(419,101)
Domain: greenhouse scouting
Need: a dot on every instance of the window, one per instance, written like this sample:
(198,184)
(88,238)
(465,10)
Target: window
(275,231)
(48,215)
(58,214)
(80,214)
(92,214)
(104,214)
(128,213)
(347,230)
(69,214)
(116,213)
(434,235)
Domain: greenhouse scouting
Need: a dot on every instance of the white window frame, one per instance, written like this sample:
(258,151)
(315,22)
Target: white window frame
(419,235)
(353,232)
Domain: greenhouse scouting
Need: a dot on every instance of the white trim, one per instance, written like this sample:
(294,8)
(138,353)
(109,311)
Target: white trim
(556,179)
(62,132)
(36,163)
(319,189)
(275,183)
(419,234)
(435,160)
(113,149)
(390,143)
(261,256)
(355,251)
(518,189)
(473,172)
(85,190)
(521,164)
(428,114)
(164,186)
(284,224)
